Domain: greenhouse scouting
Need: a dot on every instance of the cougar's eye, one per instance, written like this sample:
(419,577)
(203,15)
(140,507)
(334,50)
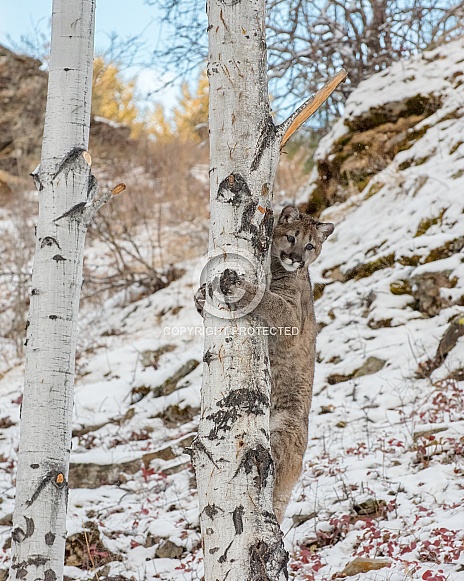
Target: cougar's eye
(309,246)
(291,239)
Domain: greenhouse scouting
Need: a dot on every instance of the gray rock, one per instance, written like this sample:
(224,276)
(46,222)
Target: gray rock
(169,550)
(371,365)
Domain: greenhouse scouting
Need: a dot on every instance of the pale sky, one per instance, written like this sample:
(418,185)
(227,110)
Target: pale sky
(127,18)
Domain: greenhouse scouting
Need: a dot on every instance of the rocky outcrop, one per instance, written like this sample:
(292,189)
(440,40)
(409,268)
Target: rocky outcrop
(93,475)
(362,565)
(387,114)
(23,95)
(368,147)
(23,92)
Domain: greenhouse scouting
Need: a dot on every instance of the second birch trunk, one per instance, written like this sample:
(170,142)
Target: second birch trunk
(66,186)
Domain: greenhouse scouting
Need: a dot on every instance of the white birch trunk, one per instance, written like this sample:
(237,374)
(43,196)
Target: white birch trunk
(241,537)
(65,186)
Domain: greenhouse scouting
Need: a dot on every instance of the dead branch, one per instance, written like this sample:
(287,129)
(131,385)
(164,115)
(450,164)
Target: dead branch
(309,107)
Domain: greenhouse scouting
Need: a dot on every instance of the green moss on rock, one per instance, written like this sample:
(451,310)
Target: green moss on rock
(372,142)
(414,260)
(379,323)
(419,105)
(401,287)
(455,147)
(318,291)
(367,269)
(446,250)
(374,189)
(426,223)
(370,366)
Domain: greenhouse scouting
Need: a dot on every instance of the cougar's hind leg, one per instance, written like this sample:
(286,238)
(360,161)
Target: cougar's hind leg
(287,449)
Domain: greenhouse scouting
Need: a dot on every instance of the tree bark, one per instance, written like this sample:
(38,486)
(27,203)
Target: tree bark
(241,537)
(66,190)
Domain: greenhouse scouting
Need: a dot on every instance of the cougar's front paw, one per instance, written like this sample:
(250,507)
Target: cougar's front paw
(229,282)
(238,292)
(199,298)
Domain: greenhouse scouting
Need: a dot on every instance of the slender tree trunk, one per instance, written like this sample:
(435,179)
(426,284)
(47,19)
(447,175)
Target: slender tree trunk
(241,537)
(66,186)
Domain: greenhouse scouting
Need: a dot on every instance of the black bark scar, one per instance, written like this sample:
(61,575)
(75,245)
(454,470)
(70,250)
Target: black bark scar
(228,279)
(208,357)
(91,186)
(237,517)
(265,140)
(267,562)
(49,241)
(50,538)
(223,557)
(42,484)
(261,236)
(23,566)
(68,160)
(211,510)
(75,213)
(249,401)
(200,447)
(37,181)
(259,459)
(50,477)
(18,534)
(233,189)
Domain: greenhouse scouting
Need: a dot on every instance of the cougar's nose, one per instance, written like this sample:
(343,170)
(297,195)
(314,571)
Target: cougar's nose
(294,257)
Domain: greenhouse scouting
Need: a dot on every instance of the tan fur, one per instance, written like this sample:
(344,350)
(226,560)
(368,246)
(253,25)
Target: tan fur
(288,303)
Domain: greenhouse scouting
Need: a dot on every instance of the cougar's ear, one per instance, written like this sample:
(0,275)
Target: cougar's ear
(325,229)
(289,214)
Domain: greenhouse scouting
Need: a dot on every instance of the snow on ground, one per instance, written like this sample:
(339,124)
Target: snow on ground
(383,472)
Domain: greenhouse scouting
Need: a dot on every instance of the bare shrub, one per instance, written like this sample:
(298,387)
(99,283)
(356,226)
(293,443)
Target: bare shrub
(308,41)
(16,248)
(160,220)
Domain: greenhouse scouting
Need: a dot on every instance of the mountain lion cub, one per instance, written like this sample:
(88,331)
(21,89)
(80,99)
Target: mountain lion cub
(297,242)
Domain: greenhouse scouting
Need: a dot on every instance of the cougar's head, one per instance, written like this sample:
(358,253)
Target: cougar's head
(298,239)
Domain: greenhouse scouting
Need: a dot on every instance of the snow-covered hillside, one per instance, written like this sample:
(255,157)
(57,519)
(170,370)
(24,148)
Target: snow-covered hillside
(383,474)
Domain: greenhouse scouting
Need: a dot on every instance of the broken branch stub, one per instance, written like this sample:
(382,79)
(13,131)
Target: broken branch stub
(118,189)
(97,203)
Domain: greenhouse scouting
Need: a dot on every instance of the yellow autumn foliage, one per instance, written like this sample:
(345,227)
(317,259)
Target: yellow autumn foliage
(191,115)
(159,126)
(112,97)
(189,118)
